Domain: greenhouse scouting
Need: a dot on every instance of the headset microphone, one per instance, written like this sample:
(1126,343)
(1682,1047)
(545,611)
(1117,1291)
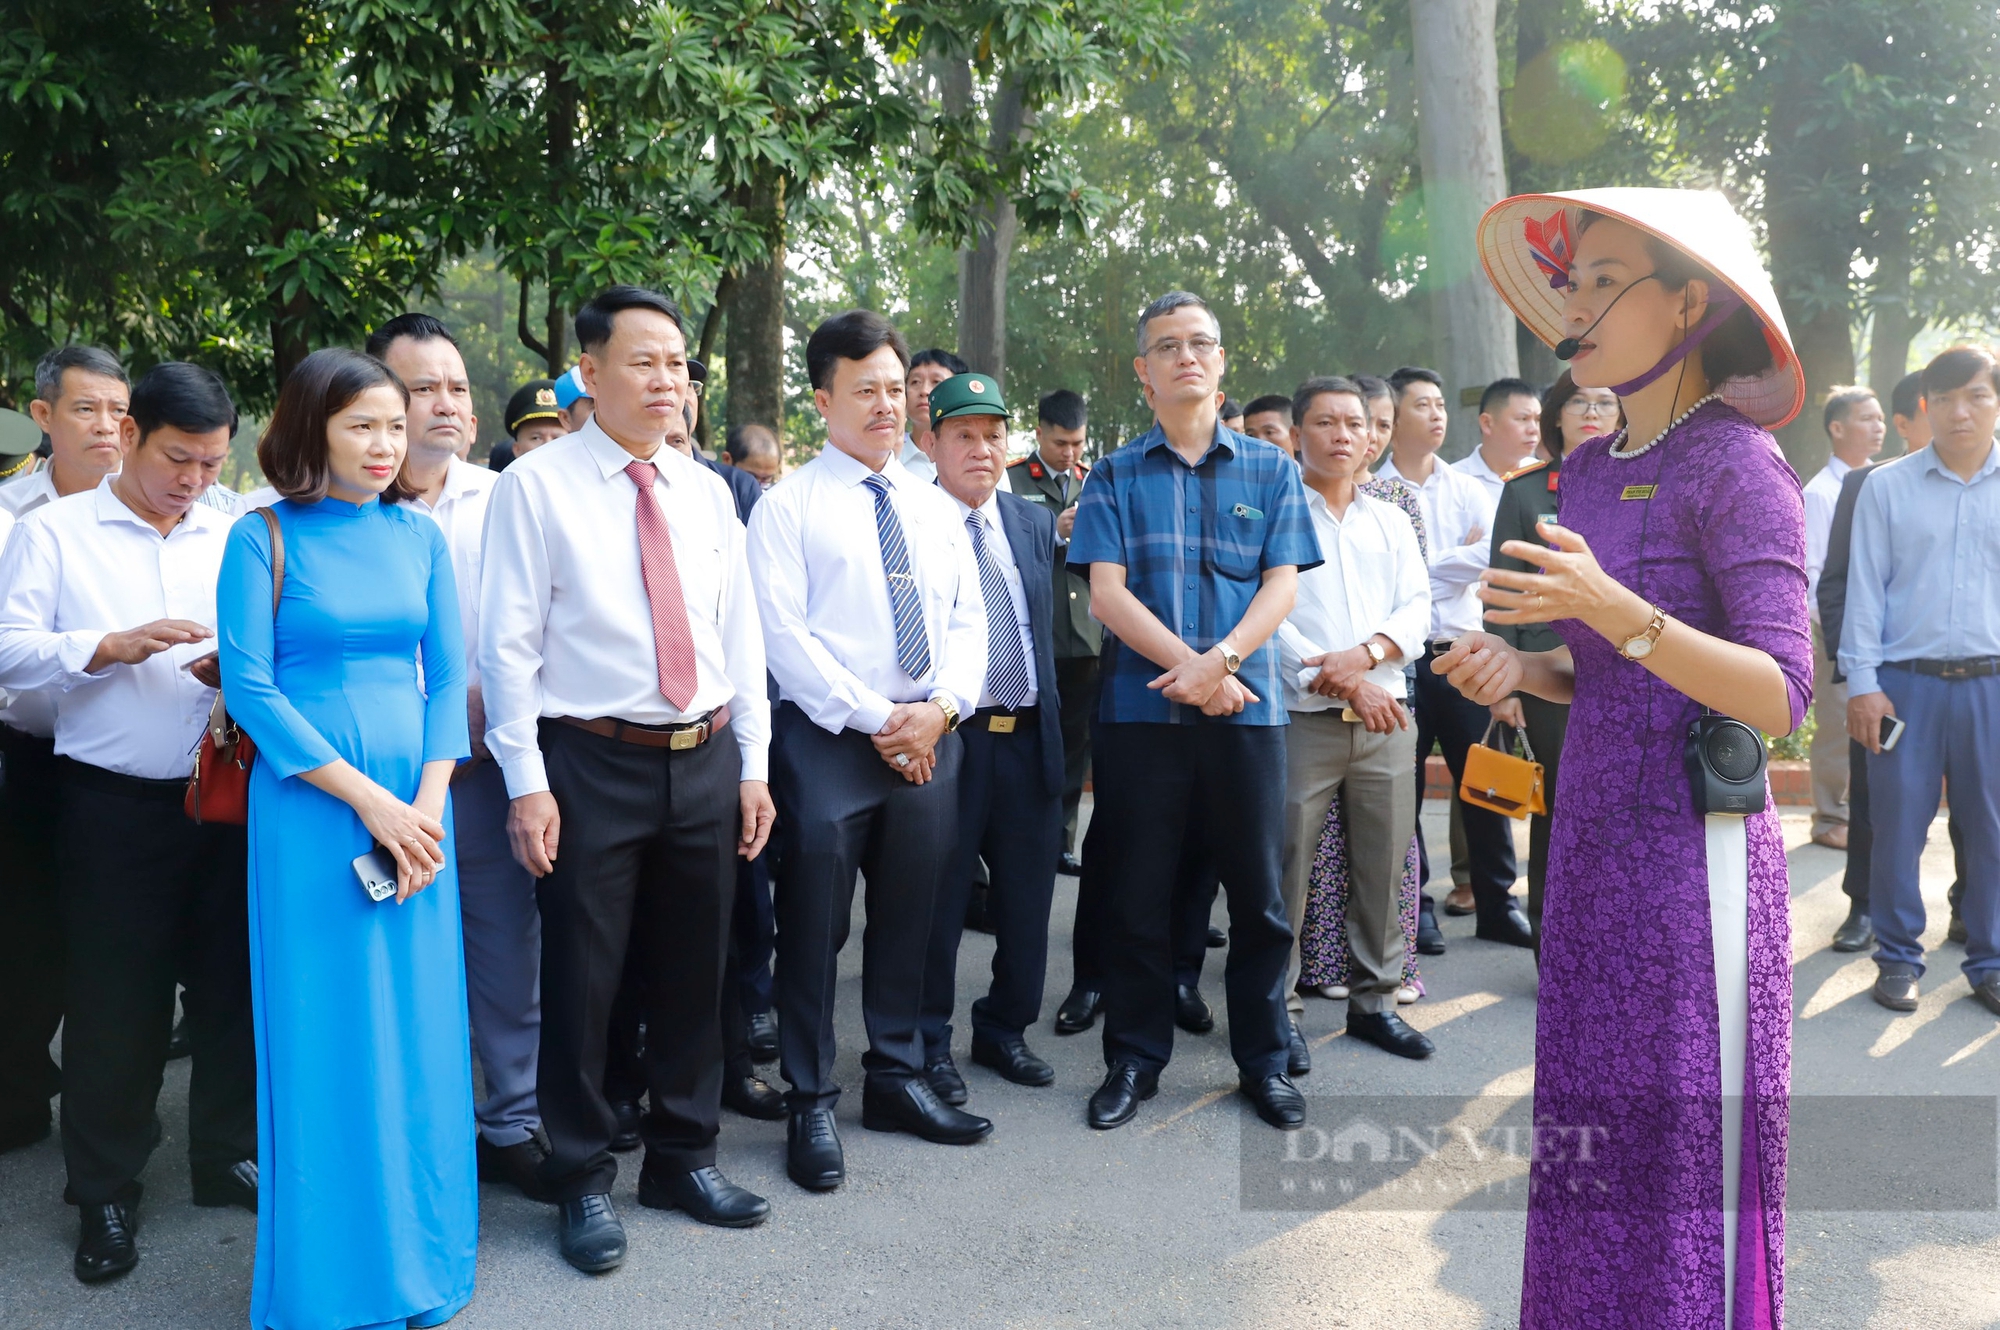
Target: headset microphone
(1567,348)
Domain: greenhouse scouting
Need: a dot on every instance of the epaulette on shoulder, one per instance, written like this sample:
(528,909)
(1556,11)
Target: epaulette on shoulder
(1527,470)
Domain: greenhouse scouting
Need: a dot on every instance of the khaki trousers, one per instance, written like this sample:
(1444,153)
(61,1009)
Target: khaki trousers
(1828,757)
(1329,758)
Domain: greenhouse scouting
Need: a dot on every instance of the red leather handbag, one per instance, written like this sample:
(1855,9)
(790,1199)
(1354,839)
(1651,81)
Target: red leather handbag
(219,789)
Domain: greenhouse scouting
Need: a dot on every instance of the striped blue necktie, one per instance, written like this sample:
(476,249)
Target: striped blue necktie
(913,645)
(1006,660)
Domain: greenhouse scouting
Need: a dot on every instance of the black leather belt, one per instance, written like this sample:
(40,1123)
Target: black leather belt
(1000,720)
(97,778)
(676,737)
(1973,667)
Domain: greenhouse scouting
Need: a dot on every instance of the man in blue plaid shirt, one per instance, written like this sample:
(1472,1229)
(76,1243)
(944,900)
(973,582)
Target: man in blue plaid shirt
(1194,536)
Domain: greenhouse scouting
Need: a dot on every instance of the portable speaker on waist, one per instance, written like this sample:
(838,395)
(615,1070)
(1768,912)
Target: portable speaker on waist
(1725,761)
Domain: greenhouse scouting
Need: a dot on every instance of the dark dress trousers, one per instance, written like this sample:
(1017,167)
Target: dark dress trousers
(31,942)
(1010,786)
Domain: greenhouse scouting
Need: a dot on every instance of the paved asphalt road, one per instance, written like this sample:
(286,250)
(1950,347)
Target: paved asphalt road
(1052,1225)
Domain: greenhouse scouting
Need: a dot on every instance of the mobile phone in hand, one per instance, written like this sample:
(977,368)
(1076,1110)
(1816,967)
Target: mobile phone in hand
(377,871)
(1892,730)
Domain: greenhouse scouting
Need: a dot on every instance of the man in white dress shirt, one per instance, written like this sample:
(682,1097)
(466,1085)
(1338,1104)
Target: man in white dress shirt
(1510,427)
(875,625)
(1855,428)
(928,368)
(503,930)
(623,674)
(1359,618)
(109,605)
(81,396)
(1458,517)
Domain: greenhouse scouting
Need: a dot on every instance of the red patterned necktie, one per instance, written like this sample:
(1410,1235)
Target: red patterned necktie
(673,643)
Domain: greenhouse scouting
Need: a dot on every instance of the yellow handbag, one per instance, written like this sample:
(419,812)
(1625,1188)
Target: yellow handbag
(1496,779)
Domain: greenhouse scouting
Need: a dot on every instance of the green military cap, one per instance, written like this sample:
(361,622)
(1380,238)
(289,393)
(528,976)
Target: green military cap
(966,395)
(533,400)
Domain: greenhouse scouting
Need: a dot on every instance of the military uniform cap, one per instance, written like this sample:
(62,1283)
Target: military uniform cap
(966,395)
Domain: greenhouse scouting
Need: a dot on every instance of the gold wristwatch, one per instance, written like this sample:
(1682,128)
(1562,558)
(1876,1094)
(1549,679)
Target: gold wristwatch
(1230,660)
(944,703)
(1376,651)
(1640,647)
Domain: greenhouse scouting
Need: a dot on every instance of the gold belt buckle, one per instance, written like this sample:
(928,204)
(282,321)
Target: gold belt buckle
(681,740)
(1001,724)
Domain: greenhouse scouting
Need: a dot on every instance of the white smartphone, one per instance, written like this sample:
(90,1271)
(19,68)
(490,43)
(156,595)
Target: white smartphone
(1892,730)
(377,871)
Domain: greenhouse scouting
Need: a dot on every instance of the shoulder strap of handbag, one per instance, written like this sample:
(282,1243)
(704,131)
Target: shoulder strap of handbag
(277,558)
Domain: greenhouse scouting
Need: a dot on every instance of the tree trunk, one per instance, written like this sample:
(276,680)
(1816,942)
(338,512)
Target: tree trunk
(753,329)
(1458,145)
(562,108)
(704,351)
(982,270)
(1896,324)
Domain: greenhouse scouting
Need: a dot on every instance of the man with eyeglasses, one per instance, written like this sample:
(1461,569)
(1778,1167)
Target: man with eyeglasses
(1194,539)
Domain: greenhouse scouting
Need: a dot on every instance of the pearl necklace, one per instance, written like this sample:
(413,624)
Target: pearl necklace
(1675,424)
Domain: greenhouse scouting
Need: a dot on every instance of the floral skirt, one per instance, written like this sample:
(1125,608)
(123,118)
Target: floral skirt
(1323,955)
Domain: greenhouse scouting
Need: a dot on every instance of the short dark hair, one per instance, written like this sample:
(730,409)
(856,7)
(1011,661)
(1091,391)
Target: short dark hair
(1403,377)
(1954,368)
(744,441)
(183,396)
(293,449)
(1373,387)
(1065,408)
(1737,348)
(1840,404)
(937,355)
(855,335)
(416,326)
(1231,408)
(1498,391)
(90,359)
(1319,385)
(1166,305)
(1268,402)
(594,320)
(1553,402)
(1907,397)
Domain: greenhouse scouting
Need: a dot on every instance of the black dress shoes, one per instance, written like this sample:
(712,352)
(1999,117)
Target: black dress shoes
(1079,1011)
(1069,865)
(518,1165)
(1511,928)
(1955,930)
(945,1081)
(1117,1101)
(1857,933)
(1298,1057)
(1987,993)
(706,1195)
(1216,937)
(235,1185)
(1191,1011)
(1430,942)
(1011,1058)
(1896,991)
(763,1037)
(104,1244)
(813,1157)
(1389,1032)
(589,1235)
(752,1096)
(1277,1101)
(914,1107)
(625,1116)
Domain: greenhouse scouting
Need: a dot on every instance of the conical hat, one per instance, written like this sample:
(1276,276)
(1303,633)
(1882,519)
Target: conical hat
(1530,239)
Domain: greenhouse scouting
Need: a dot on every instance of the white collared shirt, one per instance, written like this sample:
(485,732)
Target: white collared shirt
(1001,552)
(1373,581)
(85,566)
(915,461)
(1454,506)
(23,494)
(461,514)
(566,628)
(816,559)
(1475,466)
(1822,494)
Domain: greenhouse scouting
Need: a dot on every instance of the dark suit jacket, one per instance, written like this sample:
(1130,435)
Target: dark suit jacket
(1528,496)
(1031,535)
(1833,574)
(743,486)
(1077,634)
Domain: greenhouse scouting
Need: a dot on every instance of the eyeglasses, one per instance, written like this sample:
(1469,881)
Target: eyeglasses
(1584,406)
(695,387)
(1169,348)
